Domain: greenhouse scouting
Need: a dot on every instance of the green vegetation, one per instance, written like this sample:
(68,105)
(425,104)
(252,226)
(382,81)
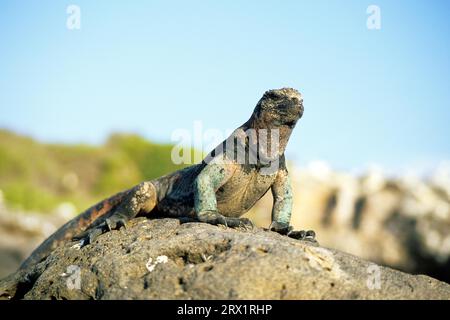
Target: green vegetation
(37,176)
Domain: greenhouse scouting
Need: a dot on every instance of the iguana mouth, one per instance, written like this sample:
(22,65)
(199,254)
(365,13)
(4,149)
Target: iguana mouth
(290,124)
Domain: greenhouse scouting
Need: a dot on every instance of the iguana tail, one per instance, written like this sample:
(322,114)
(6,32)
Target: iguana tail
(73,228)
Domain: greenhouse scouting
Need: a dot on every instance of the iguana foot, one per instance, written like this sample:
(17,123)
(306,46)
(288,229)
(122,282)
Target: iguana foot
(212,217)
(287,230)
(215,218)
(116,221)
(281,228)
(308,235)
(239,223)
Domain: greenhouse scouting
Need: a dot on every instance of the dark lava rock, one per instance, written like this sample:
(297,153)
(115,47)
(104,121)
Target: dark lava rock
(163,259)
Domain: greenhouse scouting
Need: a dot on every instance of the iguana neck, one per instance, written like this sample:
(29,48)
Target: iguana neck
(277,135)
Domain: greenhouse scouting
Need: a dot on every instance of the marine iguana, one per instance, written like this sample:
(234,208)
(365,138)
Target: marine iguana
(220,189)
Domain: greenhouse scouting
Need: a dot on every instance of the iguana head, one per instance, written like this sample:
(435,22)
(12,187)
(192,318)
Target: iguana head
(265,135)
(278,109)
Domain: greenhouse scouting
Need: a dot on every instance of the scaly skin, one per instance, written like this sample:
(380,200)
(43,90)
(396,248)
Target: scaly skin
(229,181)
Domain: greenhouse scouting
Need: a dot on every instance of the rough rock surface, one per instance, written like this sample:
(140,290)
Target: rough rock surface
(164,259)
(402,222)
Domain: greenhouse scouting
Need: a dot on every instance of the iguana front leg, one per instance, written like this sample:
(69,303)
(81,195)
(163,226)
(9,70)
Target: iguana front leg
(282,208)
(210,179)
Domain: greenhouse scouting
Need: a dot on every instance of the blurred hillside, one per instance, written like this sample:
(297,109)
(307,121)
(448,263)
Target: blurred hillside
(402,222)
(41,177)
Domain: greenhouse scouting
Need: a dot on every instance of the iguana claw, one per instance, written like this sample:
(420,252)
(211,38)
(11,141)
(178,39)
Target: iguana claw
(308,235)
(212,217)
(287,230)
(281,228)
(114,222)
(215,218)
(239,223)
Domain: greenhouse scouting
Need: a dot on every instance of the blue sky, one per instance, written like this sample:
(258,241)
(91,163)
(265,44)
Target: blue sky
(151,67)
